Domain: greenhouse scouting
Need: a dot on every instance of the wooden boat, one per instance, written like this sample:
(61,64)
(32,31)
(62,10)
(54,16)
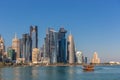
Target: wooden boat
(88,67)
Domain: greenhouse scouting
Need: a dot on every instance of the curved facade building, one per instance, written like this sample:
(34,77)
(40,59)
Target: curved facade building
(71,50)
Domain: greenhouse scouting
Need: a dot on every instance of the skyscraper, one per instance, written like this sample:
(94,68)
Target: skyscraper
(2,48)
(95,59)
(27,51)
(62,46)
(21,47)
(71,49)
(55,48)
(86,60)
(16,46)
(34,36)
(51,45)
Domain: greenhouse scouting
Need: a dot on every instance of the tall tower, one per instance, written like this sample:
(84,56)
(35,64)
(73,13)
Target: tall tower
(16,46)
(62,46)
(71,49)
(51,45)
(2,48)
(95,59)
(27,51)
(34,36)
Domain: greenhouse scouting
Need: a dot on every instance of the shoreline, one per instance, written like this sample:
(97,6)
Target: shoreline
(3,65)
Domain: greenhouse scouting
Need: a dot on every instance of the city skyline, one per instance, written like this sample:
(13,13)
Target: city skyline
(94,24)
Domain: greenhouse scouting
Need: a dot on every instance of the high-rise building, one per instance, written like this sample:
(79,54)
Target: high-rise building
(21,47)
(16,46)
(2,48)
(27,50)
(51,45)
(86,60)
(55,47)
(11,54)
(62,46)
(79,57)
(95,59)
(34,36)
(71,49)
(35,52)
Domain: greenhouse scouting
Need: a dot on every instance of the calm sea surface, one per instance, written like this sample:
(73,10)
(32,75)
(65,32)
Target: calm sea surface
(60,73)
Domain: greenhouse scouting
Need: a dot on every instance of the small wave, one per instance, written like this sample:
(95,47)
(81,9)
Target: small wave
(100,68)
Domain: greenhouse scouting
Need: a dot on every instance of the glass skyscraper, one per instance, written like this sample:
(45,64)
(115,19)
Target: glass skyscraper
(27,51)
(21,48)
(11,54)
(62,46)
(51,45)
(55,45)
(34,36)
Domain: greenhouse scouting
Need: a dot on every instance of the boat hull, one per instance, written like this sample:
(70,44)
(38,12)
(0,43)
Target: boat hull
(88,68)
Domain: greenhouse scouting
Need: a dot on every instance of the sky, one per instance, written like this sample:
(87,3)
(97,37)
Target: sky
(94,24)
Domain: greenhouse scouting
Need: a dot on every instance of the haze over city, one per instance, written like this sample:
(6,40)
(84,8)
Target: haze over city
(95,25)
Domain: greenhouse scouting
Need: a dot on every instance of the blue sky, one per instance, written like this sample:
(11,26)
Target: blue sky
(95,24)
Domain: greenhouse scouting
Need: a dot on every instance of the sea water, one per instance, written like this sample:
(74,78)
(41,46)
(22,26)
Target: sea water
(59,73)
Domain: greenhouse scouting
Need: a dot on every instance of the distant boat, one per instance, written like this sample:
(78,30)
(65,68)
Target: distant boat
(88,67)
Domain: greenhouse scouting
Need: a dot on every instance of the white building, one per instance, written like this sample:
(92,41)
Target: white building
(35,53)
(16,46)
(79,57)
(95,59)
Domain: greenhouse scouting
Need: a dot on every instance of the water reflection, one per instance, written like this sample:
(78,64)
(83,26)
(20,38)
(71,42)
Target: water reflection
(0,75)
(19,73)
(37,73)
(58,73)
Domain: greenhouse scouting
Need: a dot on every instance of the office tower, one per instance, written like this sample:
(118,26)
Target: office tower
(35,52)
(34,36)
(21,47)
(27,51)
(51,45)
(62,58)
(71,49)
(45,48)
(79,57)
(11,54)
(86,60)
(42,51)
(95,59)
(55,48)
(16,46)
(2,48)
